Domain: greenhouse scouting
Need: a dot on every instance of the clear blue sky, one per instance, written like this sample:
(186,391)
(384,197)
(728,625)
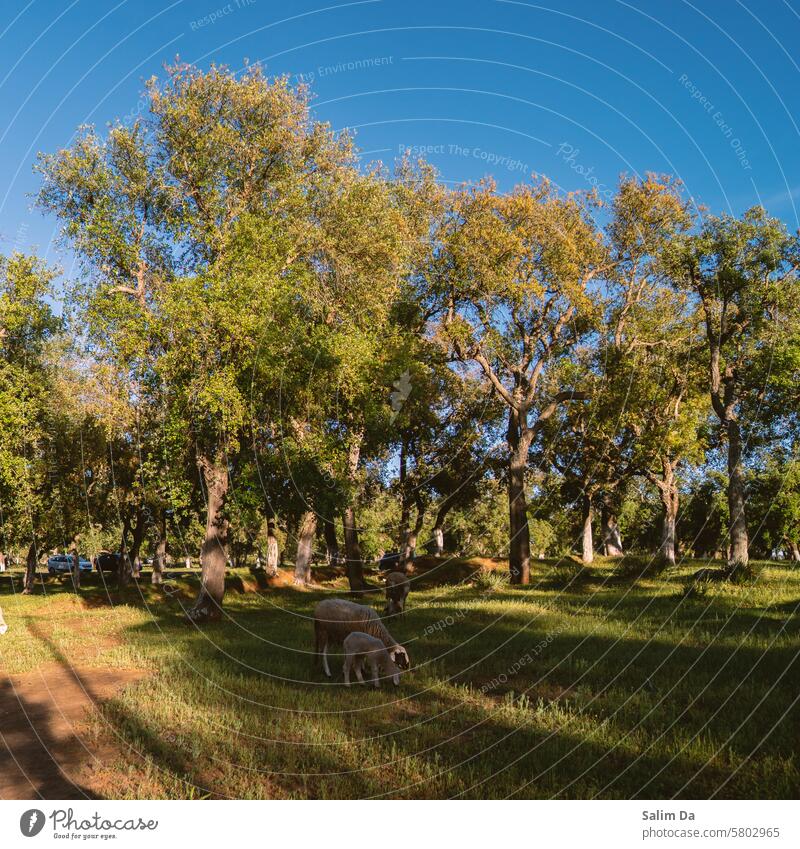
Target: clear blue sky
(580,91)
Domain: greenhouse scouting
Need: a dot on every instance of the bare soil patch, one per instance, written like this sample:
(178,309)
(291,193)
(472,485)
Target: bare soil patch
(45,750)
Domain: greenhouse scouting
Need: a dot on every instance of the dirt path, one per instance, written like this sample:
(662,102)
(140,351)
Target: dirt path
(44,748)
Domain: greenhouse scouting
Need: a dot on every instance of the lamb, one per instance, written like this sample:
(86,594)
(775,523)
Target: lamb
(360,647)
(335,618)
(397,589)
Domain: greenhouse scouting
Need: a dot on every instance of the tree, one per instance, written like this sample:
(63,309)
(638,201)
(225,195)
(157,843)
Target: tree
(651,359)
(305,547)
(30,468)
(214,234)
(583,442)
(465,453)
(668,438)
(513,274)
(437,434)
(705,515)
(774,486)
(744,272)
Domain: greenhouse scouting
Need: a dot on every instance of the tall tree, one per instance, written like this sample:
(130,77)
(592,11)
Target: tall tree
(214,234)
(745,273)
(514,273)
(31,467)
(775,498)
(651,358)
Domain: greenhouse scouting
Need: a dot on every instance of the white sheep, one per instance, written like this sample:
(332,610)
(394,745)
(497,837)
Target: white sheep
(397,589)
(360,648)
(335,618)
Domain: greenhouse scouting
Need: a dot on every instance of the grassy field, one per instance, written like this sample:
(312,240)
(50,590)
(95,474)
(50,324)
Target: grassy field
(587,683)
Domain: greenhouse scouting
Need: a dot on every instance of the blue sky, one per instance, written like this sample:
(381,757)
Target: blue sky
(580,91)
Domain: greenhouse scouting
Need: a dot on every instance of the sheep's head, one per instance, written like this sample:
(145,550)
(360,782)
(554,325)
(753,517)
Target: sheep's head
(392,671)
(393,607)
(400,657)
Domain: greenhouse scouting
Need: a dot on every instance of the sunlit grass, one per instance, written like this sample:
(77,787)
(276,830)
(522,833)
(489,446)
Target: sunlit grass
(599,686)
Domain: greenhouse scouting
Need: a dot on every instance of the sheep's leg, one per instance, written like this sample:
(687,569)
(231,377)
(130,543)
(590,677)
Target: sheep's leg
(348,662)
(325,659)
(359,665)
(373,664)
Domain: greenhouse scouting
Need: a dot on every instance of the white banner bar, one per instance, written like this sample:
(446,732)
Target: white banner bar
(397,825)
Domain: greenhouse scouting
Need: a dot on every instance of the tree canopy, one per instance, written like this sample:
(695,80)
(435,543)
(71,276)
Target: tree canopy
(268,344)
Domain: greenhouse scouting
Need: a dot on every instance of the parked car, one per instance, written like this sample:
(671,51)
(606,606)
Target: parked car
(107,561)
(61,564)
(390,561)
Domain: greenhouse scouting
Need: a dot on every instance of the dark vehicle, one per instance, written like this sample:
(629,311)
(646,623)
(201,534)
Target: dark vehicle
(61,564)
(390,561)
(108,562)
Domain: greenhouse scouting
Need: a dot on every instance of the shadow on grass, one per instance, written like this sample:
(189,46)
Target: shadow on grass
(594,706)
(37,739)
(606,702)
(31,752)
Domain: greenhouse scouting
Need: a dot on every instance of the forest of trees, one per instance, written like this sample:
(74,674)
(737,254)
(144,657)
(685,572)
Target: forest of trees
(267,347)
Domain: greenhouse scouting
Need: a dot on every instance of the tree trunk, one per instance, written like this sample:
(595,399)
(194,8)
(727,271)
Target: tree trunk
(123,565)
(234,550)
(795,549)
(612,541)
(272,549)
(438,540)
(405,500)
(519,550)
(76,570)
(213,552)
(724,398)
(305,548)
(136,541)
(352,548)
(668,491)
(30,568)
(587,551)
(438,526)
(331,542)
(160,560)
(410,548)
(738,557)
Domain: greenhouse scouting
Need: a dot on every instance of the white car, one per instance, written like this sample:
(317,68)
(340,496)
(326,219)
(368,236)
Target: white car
(60,564)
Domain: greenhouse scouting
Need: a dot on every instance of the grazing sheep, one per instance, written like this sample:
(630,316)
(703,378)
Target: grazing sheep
(360,647)
(397,589)
(335,618)
(3,626)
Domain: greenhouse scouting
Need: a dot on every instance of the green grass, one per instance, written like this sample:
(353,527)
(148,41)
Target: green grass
(587,683)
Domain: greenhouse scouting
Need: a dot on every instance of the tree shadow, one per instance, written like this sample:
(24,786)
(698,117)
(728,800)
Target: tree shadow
(42,716)
(34,748)
(256,665)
